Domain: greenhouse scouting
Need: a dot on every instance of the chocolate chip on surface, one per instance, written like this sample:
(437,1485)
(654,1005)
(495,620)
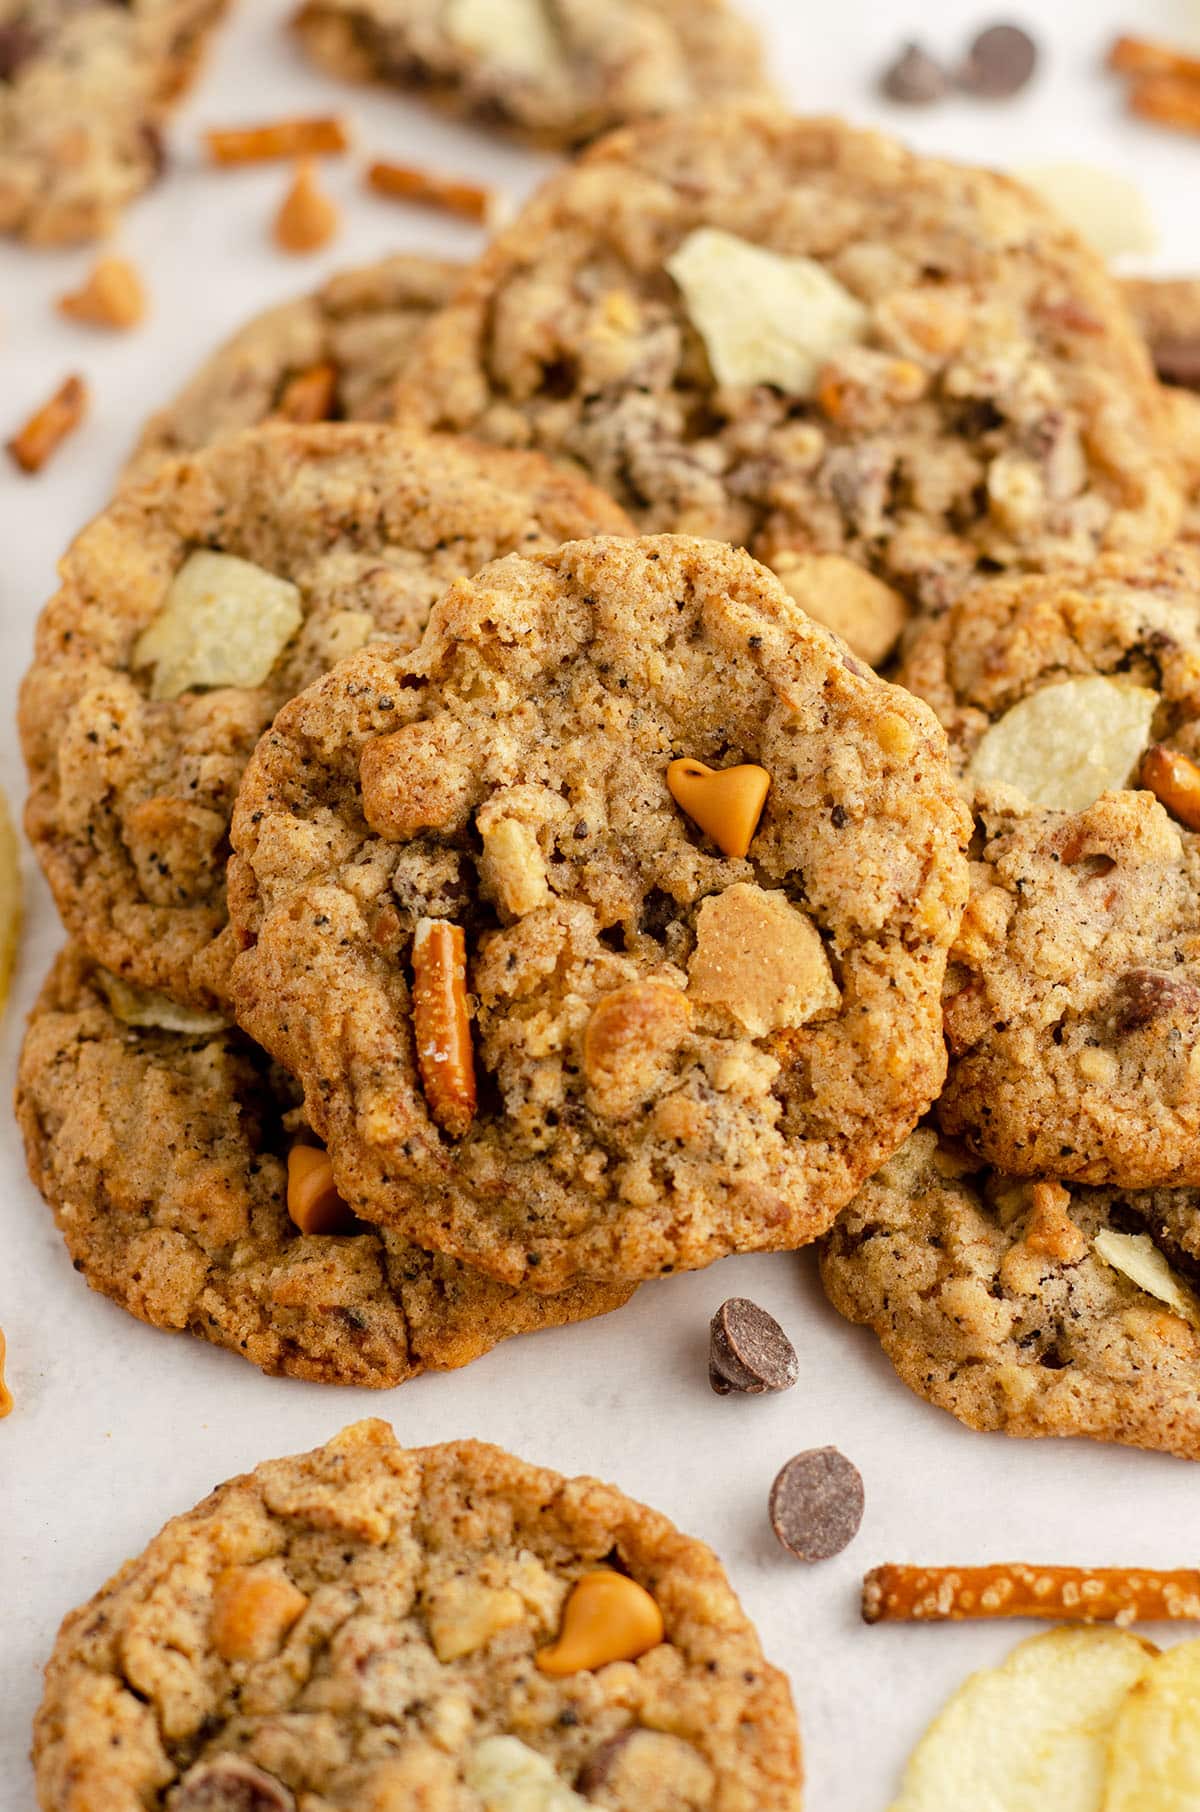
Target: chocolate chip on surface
(999,63)
(1177,360)
(749,1351)
(915,79)
(816,1504)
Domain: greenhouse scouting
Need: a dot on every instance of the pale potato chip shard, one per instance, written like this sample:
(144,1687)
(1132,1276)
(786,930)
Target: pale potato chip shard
(1154,1749)
(764,318)
(516,34)
(224,622)
(10,898)
(147,1011)
(1104,208)
(1064,745)
(1031,1734)
(761,959)
(1136,1257)
(509,1776)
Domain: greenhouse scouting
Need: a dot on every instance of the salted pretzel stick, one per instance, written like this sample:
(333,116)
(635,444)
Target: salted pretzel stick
(1120,1595)
(1139,56)
(1167,100)
(404,182)
(277,138)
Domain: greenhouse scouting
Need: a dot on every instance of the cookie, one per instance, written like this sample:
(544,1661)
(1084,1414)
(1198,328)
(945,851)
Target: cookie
(558,76)
(1167,310)
(333,354)
(679,1045)
(194,607)
(993,1297)
(1073,992)
(84,93)
(373,1626)
(803,338)
(160,1139)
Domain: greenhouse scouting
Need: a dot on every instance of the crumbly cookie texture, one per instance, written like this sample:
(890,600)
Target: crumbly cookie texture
(350,339)
(358,1627)
(84,92)
(558,74)
(671,1053)
(991,1298)
(163,1155)
(346,532)
(1167,311)
(802,338)
(1073,992)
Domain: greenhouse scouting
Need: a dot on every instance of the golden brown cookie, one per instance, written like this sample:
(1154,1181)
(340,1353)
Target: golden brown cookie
(565,996)
(802,338)
(159,1136)
(200,602)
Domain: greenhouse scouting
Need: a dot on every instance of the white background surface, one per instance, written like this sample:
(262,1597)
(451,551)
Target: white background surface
(117,1426)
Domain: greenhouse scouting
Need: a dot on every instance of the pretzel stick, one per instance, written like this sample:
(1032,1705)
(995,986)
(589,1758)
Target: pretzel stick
(277,138)
(1138,56)
(404,182)
(895,1594)
(1167,100)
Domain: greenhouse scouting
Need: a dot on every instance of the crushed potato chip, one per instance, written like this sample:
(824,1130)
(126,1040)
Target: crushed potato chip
(517,33)
(509,1776)
(1154,1750)
(224,622)
(1107,210)
(10,898)
(764,318)
(1065,745)
(1032,1733)
(141,1008)
(1137,1257)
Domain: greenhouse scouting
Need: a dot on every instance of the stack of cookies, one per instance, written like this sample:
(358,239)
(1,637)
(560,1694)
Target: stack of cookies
(497,874)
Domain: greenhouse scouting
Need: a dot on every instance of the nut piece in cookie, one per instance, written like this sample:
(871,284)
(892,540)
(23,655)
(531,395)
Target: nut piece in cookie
(654,1035)
(363,1629)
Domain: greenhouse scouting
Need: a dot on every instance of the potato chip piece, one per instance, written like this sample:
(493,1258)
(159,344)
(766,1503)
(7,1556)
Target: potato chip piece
(1029,1735)
(1107,210)
(1154,1748)
(764,319)
(141,1008)
(1136,1257)
(224,622)
(10,898)
(1065,745)
(517,34)
(509,1776)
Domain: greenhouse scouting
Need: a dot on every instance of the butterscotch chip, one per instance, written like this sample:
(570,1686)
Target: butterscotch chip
(666,1067)
(430,1582)
(113,295)
(197,605)
(307,218)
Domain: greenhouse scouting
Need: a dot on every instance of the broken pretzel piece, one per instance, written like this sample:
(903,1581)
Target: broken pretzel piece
(48,426)
(1174,779)
(307,218)
(1121,1595)
(1142,57)
(405,182)
(277,139)
(442,1024)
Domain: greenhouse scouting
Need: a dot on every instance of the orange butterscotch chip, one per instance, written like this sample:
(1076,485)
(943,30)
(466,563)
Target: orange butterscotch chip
(253,1610)
(727,803)
(311,396)
(112,296)
(276,139)
(307,218)
(406,182)
(312,1198)
(1174,779)
(607,1617)
(6,1401)
(48,426)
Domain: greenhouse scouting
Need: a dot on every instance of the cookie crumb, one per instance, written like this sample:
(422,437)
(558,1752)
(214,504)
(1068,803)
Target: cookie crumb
(34,443)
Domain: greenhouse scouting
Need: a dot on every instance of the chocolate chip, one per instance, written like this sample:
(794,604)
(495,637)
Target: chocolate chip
(1177,360)
(816,1504)
(600,1763)
(914,79)
(999,63)
(749,1351)
(1142,996)
(17,45)
(229,1783)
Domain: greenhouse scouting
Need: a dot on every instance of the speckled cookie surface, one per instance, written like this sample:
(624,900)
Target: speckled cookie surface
(163,1155)
(990,1299)
(385,1608)
(677,1053)
(559,75)
(83,93)
(1073,991)
(905,361)
(131,793)
(355,331)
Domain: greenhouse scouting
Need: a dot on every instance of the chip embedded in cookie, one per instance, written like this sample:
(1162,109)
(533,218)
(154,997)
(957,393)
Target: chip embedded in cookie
(802,338)
(552,1014)
(1036,1308)
(166,1143)
(367,1625)
(1073,991)
(200,602)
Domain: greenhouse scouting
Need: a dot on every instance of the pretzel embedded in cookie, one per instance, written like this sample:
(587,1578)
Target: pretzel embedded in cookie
(1122,1595)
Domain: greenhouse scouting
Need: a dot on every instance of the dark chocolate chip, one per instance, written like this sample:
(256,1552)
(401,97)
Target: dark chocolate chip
(599,1764)
(18,44)
(915,79)
(816,1504)
(748,1350)
(1177,360)
(229,1783)
(1143,996)
(999,63)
